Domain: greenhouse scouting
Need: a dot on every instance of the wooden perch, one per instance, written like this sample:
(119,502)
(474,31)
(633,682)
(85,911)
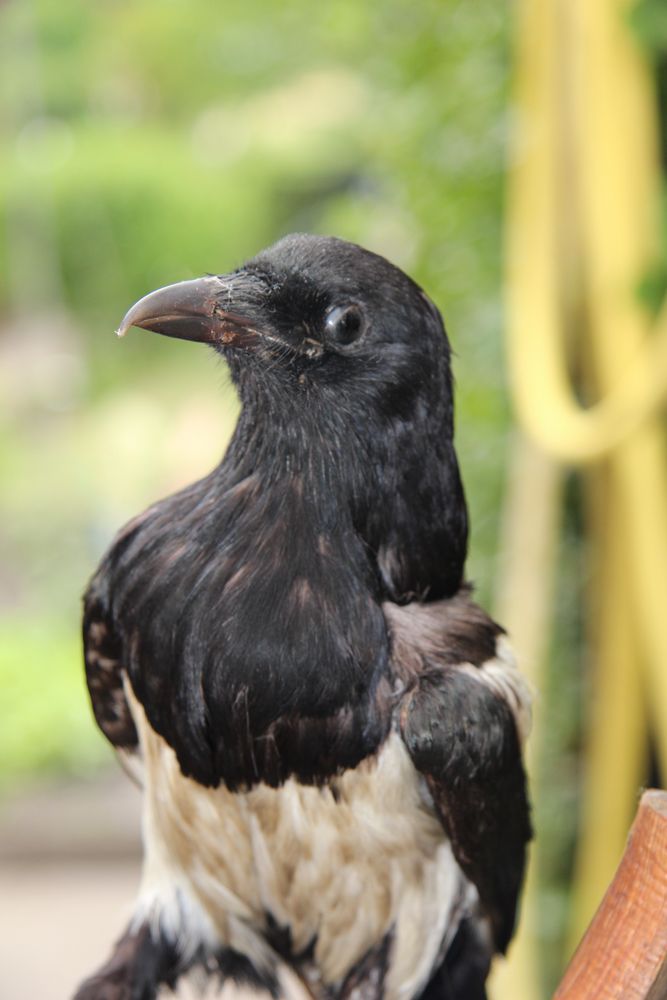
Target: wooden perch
(623,954)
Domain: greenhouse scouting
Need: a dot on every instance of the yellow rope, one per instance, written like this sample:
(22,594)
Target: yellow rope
(580,233)
(528,553)
(545,401)
(531,516)
(548,408)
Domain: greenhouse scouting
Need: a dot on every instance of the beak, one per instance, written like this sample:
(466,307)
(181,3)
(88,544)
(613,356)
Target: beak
(192,310)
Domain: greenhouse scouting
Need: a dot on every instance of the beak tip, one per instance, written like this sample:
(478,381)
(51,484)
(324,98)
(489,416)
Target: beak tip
(126,324)
(184,310)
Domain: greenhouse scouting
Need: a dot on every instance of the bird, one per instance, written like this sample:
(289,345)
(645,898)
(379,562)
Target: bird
(328,729)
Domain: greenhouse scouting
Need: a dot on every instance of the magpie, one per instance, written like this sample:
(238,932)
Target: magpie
(328,730)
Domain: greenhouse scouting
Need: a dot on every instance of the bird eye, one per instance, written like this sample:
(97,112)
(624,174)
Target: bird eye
(344,324)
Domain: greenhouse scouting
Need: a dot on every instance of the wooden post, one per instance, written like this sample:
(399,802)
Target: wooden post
(623,954)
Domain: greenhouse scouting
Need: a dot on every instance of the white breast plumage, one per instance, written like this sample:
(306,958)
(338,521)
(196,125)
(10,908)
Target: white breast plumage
(340,866)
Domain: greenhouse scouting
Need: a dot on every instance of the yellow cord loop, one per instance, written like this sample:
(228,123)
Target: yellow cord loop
(586,168)
(547,407)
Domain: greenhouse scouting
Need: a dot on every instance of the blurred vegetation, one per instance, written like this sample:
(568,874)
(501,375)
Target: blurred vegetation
(649,20)
(146,142)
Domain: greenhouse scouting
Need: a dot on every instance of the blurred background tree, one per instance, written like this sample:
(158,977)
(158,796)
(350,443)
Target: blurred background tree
(146,142)
(143,143)
(649,21)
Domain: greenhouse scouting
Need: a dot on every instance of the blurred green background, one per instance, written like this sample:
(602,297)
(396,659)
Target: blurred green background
(147,142)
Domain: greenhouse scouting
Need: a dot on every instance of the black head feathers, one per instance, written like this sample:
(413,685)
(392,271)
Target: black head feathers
(343,368)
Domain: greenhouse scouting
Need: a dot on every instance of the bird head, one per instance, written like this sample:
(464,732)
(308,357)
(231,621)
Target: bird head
(309,312)
(339,354)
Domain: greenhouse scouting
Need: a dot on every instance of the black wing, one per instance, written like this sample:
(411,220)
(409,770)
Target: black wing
(459,724)
(462,736)
(105,672)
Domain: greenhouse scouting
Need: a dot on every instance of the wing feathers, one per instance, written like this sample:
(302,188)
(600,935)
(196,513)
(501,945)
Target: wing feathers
(463,724)
(105,672)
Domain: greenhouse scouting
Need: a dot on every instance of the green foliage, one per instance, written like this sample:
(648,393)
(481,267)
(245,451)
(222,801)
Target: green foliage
(46,724)
(649,20)
(144,142)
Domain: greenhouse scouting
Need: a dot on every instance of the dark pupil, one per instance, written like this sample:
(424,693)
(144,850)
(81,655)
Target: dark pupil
(344,324)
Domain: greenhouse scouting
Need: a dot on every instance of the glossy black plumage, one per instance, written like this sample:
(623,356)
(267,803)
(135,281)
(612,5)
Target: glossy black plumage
(323,494)
(252,612)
